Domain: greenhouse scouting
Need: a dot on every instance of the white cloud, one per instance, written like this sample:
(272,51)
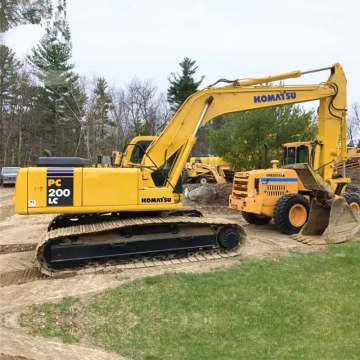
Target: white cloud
(229,38)
(22,38)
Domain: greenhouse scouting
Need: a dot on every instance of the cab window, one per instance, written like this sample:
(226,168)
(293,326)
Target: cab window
(289,156)
(139,151)
(303,155)
(296,155)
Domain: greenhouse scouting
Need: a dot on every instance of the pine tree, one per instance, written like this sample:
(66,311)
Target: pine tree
(17,12)
(102,100)
(61,98)
(9,67)
(183,85)
(98,123)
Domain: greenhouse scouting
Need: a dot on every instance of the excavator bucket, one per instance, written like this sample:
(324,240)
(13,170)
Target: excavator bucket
(332,223)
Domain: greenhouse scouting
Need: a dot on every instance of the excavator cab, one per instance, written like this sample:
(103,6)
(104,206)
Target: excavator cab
(135,151)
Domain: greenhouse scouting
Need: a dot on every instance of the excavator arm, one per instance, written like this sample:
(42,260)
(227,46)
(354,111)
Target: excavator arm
(175,143)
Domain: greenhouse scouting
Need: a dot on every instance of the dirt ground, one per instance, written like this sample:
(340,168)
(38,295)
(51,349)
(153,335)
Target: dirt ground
(22,285)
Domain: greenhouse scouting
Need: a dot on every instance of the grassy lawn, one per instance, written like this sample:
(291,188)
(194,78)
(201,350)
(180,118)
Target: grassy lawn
(297,307)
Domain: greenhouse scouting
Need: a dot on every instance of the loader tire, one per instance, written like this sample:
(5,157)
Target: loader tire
(353,199)
(252,218)
(291,213)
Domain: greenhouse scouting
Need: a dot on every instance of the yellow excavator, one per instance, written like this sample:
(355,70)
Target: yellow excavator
(120,213)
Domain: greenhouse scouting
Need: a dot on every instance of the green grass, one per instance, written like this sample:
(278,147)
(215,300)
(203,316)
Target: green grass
(297,307)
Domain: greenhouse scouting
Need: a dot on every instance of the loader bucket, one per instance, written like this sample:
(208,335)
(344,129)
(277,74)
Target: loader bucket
(329,224)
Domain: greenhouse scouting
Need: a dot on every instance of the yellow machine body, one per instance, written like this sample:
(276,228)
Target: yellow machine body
(258,191)
(89,190)
(208,160)
(208,169)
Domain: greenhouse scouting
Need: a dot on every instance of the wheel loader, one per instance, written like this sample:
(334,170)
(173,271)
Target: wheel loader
(309,189)
(117,214)
(205,169)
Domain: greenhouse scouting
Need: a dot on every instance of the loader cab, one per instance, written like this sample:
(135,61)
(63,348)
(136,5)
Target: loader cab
(297,153)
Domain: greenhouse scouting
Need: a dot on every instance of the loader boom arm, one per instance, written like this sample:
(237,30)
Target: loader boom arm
(179,136)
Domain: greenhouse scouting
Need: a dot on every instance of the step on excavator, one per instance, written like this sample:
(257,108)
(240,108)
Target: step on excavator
(117,214)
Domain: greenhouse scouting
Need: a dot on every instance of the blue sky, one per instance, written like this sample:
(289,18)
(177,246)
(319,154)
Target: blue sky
(121,39)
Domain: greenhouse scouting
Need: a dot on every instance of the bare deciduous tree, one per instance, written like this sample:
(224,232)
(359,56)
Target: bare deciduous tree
(119,114)
(353,124)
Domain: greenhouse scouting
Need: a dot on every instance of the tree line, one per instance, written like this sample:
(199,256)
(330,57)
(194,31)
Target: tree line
(46,107)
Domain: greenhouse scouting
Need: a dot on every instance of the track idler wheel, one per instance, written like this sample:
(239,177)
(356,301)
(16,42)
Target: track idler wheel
(228,237)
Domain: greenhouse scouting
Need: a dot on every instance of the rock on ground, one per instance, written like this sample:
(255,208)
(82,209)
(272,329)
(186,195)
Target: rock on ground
(208,194)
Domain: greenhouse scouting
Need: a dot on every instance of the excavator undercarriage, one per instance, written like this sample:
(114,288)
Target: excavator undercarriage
(75,241)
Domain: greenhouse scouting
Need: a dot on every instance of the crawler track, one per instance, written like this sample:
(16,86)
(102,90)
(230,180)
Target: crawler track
(131,243)
(97,268)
